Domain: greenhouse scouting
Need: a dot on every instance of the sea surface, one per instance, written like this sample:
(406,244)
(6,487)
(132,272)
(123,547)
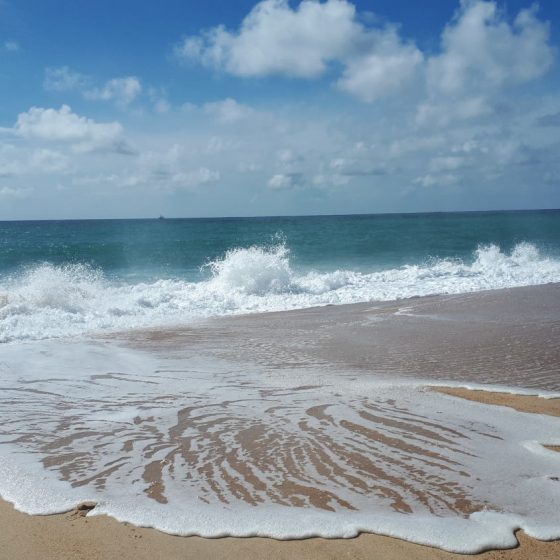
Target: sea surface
(60,278)
(141,372)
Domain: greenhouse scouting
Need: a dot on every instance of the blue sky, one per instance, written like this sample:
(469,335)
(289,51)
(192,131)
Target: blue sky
(132,109)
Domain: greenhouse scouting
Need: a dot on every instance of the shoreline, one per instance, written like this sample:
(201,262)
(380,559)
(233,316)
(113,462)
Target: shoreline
(74,535)
(489,340)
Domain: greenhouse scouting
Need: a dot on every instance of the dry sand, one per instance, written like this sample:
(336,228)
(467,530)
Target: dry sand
(523,403)
(73,536)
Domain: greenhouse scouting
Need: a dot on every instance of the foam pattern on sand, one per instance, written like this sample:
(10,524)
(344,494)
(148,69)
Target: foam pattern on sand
(210,448)
(53,301)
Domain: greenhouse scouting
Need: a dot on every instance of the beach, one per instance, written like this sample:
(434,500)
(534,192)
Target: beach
(71,536)
(329,404)
(280,279)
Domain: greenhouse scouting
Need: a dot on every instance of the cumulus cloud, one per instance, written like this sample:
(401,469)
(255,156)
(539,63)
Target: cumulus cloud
(276,39)
(122,91)
(63,125)
(303,41)
(481,47)
(480,51)
(63,79)
(385,67)
(481,54)
(460,135)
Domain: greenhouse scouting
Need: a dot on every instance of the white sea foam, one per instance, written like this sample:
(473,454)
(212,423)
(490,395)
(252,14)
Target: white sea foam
(213,448)
(53,301)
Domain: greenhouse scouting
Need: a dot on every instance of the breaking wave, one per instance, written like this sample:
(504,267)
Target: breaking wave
(52,301)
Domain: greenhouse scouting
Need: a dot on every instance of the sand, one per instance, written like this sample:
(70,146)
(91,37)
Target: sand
(523,403)
(480,338)
(72,536)
(75,536)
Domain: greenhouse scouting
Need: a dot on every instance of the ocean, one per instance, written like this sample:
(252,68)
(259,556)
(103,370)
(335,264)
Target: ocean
(60,278)
(143,371)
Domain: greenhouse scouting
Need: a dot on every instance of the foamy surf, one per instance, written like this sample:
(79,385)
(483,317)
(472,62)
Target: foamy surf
(196,446)
(56,301)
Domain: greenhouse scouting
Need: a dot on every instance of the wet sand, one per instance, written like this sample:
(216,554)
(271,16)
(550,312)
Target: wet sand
(501,337)
(505,338)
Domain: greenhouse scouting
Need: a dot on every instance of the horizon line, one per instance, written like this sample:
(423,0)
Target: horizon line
(161,217)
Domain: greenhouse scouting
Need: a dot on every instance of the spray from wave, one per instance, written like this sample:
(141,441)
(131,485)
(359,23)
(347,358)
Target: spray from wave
(52,301)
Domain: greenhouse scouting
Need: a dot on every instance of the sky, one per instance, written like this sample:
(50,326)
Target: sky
(129,109)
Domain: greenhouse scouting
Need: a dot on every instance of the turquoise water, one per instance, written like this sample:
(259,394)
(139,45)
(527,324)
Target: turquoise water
(65,278)
(178,248)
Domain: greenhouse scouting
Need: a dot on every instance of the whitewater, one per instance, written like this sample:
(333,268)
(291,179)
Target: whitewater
(48,300)
(142,370)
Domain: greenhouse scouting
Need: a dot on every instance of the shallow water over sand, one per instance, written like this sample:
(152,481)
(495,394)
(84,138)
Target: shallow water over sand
(313,422)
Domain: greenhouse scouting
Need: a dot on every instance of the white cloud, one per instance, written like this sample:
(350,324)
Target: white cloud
(10,164)
(482,144)
(48,161)
(447,163)
(228,110)
(18,162)
(276,39)
(63,79)
(481,48)
(288,158)
(282,181)
(384,68)
(442,111)
(63,125)
(480,52)
(122,91)
(168,170)
(195,178)
(303,41)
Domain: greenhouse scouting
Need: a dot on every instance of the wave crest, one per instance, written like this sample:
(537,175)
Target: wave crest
(51,301)
(256,270)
